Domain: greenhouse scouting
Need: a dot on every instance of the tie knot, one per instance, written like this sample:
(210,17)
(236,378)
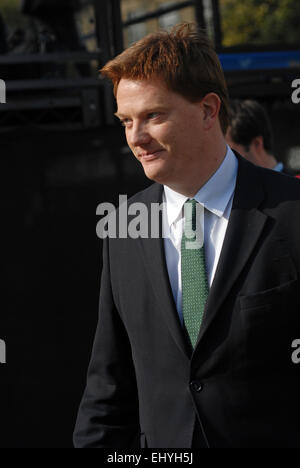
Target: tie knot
(193,233)
(190,213)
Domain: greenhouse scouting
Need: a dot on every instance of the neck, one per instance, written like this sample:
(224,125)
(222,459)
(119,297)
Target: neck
(197,177)
(268,161)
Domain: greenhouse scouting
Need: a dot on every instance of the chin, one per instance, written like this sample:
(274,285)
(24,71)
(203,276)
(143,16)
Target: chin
(153,173)
(159,171)
(160,179)
(152,176)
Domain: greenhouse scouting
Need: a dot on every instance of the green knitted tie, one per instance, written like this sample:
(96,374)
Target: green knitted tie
(193,273)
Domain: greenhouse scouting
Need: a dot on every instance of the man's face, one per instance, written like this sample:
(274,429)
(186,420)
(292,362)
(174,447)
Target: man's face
(163,129)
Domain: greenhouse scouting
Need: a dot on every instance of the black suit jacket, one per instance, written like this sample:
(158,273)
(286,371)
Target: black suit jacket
(146,387)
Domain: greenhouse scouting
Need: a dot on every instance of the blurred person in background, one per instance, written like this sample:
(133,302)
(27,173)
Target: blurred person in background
(250,134)
(56,22)
(54,25)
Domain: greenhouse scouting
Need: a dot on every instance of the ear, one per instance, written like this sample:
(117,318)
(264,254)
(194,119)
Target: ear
(258,142)
(211,104)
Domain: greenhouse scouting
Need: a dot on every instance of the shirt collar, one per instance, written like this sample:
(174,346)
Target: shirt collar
(214,195)
(278,167)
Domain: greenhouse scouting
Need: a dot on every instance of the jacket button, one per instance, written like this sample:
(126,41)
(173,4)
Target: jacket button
(195,386)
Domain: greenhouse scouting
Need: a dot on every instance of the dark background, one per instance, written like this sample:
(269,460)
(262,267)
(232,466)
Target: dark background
(52,263)
(61,155)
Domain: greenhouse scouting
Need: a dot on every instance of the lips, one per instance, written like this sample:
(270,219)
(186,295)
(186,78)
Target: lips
(149,155)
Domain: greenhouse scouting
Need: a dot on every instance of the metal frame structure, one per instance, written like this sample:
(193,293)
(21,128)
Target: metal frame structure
(60,101)
(266,74)
(87,101)
(197,4)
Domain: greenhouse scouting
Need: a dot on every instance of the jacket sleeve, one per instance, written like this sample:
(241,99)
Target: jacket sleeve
(108,414)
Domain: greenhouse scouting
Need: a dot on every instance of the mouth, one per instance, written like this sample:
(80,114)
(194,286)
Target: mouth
(149,156)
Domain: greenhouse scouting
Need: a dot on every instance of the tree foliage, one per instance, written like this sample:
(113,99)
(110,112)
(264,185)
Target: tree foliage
(11,12)
(260,22)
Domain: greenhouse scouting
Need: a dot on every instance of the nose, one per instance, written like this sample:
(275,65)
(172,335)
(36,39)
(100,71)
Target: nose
(138,135)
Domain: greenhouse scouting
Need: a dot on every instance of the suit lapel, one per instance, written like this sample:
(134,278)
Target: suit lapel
(245,226)
(154,257)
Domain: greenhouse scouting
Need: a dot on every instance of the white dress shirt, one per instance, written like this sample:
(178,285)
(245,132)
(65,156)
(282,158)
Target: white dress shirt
(216,198)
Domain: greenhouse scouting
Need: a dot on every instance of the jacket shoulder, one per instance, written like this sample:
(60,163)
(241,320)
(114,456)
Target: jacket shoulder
(153,193)
(280,186)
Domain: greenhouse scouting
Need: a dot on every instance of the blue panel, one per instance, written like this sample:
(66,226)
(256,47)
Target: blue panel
(260,60)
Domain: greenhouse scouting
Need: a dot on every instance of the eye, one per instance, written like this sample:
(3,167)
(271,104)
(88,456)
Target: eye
(153,115)
(125,122)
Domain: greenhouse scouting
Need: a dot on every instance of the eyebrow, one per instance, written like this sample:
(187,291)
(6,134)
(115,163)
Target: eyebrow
(153,109)
(120,116)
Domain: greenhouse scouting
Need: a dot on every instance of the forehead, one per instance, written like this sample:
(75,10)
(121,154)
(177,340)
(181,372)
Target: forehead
(136,86)
(140,93)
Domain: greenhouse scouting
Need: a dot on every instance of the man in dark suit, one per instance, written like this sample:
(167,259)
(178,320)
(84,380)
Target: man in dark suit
(196,325)
(250,134)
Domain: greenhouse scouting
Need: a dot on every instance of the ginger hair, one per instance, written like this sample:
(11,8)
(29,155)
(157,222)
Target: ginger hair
(184,58)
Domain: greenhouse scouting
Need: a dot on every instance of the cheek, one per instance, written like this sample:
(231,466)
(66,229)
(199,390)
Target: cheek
(128,139)
(164,133)
(171,138)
